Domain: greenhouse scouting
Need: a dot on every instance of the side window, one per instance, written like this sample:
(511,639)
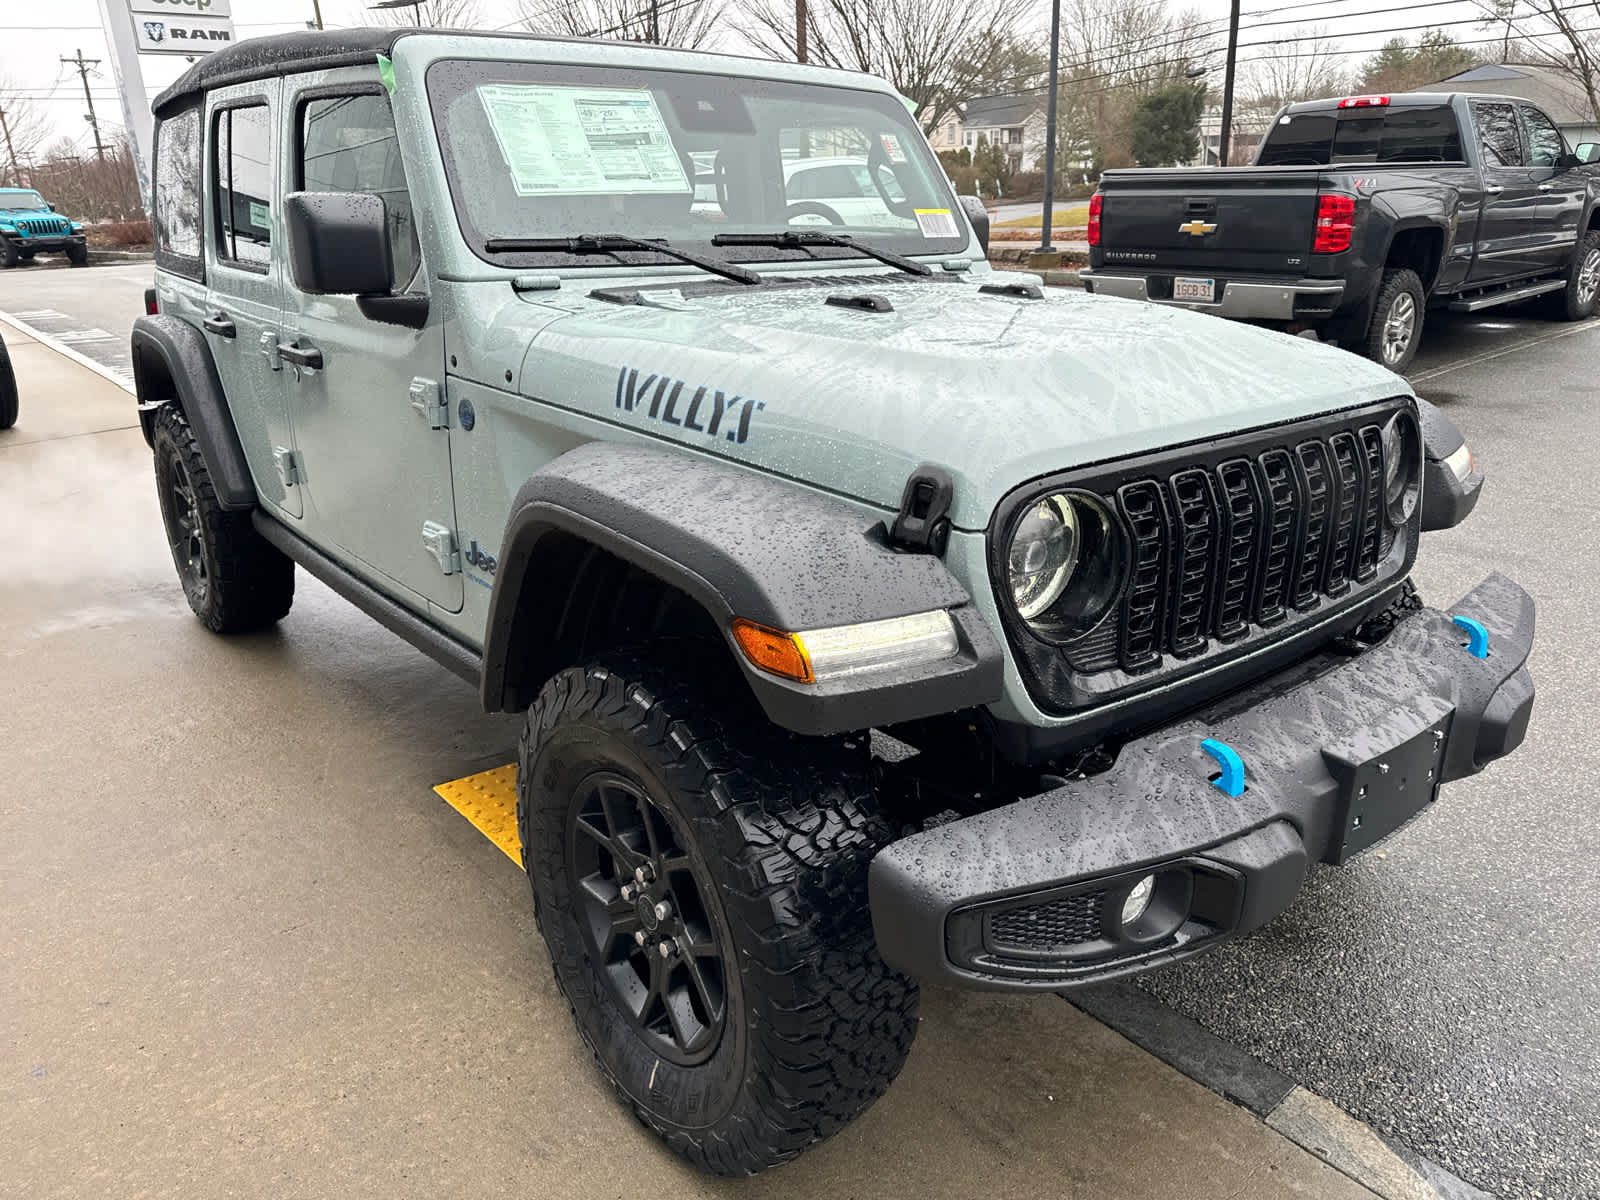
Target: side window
(1498,137)
(177,194)
(1545,143)
(244,185)
(348,144)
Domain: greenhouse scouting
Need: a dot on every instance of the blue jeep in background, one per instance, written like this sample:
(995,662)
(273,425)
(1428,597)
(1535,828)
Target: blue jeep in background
(28,226)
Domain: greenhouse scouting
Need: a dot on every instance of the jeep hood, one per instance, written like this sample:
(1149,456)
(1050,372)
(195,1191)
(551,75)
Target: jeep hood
(997,389)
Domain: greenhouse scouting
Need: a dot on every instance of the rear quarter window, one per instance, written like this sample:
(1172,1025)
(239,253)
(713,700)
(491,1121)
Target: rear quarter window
(177,189)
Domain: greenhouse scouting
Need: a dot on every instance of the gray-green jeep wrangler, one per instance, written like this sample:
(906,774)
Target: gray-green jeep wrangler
(878,618)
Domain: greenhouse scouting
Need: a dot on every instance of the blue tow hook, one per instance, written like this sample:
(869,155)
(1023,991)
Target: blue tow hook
(1231,780)
(1477,636)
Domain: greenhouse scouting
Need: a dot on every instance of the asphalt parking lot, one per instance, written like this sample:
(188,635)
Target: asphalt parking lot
(253,954)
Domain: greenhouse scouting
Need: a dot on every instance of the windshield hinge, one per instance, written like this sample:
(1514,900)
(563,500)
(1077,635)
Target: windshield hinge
(427,397)
(440,542)
(922,523)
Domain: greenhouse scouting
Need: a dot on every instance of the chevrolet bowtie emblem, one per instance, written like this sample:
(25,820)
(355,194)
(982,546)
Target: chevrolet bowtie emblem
(1198,228)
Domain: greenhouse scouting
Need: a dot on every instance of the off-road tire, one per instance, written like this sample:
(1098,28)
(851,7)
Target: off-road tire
(1397,290)
(8,390)
(779,831)
(78,256)
(234,579)
(8,253)
(1581,299)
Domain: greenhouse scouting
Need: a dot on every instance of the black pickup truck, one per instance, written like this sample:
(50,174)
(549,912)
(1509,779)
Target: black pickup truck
(1358,215)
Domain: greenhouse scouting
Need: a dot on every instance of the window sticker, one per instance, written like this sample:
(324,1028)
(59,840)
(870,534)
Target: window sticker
(892,147)
(937,223)
(260,215)
(574,141)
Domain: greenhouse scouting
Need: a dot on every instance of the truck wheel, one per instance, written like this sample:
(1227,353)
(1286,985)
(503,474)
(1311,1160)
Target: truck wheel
(235,580)
(8,390)
(78,256)
(700,878)
(8,253)
(1582,296)
(1396,325)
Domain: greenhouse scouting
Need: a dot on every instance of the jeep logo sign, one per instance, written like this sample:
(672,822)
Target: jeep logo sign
(179,10)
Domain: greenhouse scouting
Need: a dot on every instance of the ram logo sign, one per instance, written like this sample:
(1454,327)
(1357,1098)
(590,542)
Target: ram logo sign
(189,28)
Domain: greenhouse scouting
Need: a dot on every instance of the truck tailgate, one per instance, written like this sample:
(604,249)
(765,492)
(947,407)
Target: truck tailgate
(1244,220)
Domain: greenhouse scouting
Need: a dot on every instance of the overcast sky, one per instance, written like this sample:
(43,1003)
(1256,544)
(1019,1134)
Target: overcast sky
(35,34)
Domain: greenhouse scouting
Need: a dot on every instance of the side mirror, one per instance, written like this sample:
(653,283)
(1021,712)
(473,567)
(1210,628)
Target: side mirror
(1588,152)
(338,243)
(979,216)
(1451,481)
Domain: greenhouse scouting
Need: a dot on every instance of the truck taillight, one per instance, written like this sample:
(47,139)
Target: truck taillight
(1336,216)
(1364,102)
(1094,219)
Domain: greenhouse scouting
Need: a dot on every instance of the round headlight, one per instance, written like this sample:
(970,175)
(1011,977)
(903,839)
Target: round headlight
(1044,550)
(1065,562)
(1402,460)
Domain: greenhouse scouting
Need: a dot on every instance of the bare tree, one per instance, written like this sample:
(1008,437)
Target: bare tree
(918,45)
(26,129)
(1557,34)
(686,23)
(431,14)
(1304,65)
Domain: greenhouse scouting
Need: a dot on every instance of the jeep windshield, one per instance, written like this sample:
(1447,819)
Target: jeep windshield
(539,151)
(23,202)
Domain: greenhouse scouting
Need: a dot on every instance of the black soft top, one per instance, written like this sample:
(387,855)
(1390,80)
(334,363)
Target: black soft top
(280,54)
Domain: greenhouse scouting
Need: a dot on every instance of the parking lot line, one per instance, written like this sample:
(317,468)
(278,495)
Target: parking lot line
(489,800)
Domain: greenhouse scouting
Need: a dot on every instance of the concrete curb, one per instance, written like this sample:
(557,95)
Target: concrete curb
(1318,1126)
(60,347)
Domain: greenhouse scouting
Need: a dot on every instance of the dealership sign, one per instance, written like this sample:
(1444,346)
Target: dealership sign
(181,26)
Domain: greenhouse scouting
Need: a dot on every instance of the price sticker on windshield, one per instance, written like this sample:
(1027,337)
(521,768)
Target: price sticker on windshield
(937,223)
(893,148)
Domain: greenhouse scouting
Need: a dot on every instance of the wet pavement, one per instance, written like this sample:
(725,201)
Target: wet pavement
(1445,992)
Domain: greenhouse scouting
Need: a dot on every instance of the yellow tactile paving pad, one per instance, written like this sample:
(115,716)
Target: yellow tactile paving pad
(489,800)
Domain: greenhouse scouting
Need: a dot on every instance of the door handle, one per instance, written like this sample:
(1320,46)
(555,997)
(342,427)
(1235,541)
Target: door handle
(300,356)
(1545,187)
(219,324)
(1494,189)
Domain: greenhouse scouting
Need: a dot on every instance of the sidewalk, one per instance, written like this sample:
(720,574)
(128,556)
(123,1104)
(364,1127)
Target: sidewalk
(233,974)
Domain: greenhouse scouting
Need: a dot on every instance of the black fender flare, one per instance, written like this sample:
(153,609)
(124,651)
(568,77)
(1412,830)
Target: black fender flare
(172,363)
(739,544)
(1446,500)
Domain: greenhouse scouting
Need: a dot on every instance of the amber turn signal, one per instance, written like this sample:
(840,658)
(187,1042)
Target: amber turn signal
(772,650)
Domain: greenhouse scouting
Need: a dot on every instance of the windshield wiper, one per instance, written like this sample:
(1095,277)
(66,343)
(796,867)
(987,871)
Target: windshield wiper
(609,243)
(801,238)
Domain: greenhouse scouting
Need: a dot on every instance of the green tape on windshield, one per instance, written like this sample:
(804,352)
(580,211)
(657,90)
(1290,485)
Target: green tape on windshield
(386,73)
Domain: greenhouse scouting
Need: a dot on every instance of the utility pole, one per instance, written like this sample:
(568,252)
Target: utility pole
(1050,129)
(16,172)
(800,31)
(316,9)
(655,22)
(83,65)
(1227,87)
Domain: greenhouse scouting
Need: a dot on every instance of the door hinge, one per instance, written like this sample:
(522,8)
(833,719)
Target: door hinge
(269,350)
(427,397)
(441,543)
(291,466)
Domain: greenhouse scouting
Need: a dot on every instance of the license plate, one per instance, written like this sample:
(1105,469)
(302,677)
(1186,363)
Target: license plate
(1203,290)
(1381,793)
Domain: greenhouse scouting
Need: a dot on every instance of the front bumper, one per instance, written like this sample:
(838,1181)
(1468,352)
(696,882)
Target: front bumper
(46,245)
(1029,896)
(1240,299)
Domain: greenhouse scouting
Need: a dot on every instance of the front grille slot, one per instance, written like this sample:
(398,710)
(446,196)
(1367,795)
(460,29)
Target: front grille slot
(1053,926)
(1219,548)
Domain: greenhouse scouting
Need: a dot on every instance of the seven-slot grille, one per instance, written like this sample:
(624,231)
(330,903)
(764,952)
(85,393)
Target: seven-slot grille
(1248,541)
(40,226)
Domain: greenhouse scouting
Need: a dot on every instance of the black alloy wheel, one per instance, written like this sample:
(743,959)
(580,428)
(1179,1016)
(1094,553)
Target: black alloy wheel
(643,910)
(186,532)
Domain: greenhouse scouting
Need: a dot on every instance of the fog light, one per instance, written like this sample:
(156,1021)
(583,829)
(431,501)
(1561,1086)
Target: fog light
(1138,900)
